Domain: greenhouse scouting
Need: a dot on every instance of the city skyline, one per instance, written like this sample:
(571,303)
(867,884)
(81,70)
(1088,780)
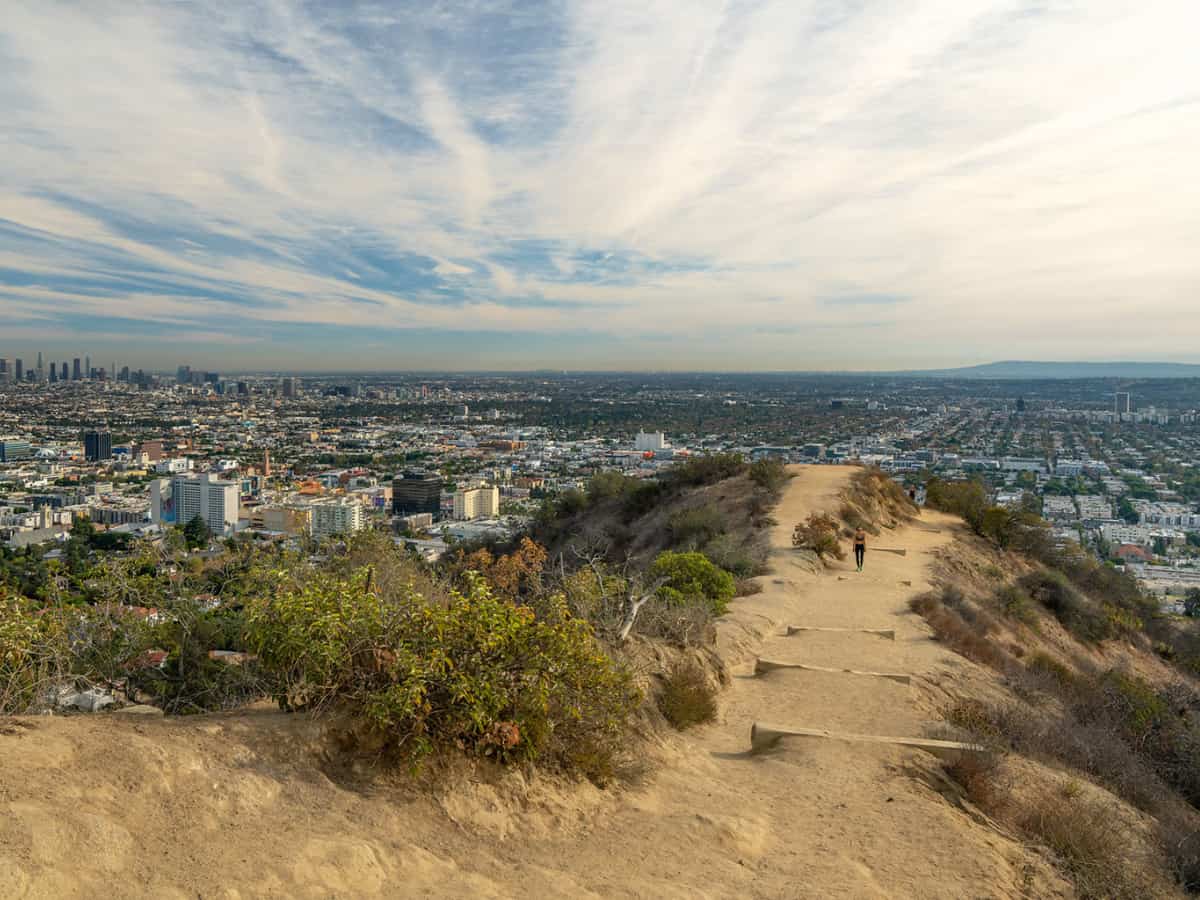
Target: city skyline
(779,186)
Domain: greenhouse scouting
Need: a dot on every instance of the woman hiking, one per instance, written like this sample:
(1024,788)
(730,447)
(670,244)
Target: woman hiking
(860,547)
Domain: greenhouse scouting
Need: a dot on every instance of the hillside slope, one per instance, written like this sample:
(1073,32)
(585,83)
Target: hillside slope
(247,804)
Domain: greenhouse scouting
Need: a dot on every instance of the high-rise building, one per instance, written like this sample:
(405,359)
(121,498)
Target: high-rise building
(77,371)
(19,371)
(213,500)
(417,492)
(183,375)
(1123,403)
(287,387)
(12,449)
(651,441)
(87,367)
(152,449)
(63,373)
(53,373)
(5,374)
(482,502)
(124,376)
(97,446)
(336,516)
(41,369)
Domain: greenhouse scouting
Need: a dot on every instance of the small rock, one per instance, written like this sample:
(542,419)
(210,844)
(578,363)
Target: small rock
(140,709)
(93,700)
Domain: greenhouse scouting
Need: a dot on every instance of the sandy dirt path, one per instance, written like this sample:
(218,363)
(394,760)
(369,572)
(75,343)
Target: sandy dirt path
(230,808)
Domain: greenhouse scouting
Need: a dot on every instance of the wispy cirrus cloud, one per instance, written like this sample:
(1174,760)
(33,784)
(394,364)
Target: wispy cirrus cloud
(572,181)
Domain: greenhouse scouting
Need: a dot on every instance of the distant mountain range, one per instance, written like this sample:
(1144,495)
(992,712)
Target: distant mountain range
(1017,369)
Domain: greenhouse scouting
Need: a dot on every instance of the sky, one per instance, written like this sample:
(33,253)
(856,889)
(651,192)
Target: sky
(599,184)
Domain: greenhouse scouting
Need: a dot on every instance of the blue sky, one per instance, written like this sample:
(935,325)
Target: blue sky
(780,184)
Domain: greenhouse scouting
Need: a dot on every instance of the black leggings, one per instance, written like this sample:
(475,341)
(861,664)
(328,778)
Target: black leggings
(859,552)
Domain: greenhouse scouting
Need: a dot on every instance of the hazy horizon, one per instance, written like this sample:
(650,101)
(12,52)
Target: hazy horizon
(745,186)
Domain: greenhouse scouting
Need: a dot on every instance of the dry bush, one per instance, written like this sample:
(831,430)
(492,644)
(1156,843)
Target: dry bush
(747,587)
(878,499)
(820,534)
(1043,663)
(687,697)
(855,519)
(964,629)
(1090,841)
(978,775)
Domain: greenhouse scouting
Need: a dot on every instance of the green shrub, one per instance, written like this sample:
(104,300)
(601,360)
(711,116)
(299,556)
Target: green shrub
(728,553)
(706,469)
(1045,664)
(475,672)
(33,655)
(691,579)
(687,698)
(769,474)
(967,499)
(695,526)
(1077,613)
(1017,604)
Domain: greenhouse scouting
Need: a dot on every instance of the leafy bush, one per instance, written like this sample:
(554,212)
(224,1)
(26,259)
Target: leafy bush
(1017,604)
(476,672)
(820,534)
(1044,664)
(1079,615)
(695,526)
(691,579)
(33,654)
(706,469)
(967,499)
(769,474)
(687,697)
(728,553)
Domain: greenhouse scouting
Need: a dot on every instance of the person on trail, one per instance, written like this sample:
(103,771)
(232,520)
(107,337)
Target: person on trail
(860,547)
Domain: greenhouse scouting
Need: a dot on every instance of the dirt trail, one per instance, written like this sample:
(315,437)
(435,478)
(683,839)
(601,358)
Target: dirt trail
(228,807)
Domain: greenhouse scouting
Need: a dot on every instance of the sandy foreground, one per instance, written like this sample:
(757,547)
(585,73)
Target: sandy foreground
(239,806)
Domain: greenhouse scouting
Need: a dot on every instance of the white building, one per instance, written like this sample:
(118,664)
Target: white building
(481,502)
(650,441)
(336,516)
(214,501)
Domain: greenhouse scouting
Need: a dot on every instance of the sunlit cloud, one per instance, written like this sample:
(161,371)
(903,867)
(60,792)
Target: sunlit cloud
(776,184)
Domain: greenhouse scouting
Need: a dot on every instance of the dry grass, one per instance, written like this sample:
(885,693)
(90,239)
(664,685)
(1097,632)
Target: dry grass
(687,698)
(1089,840)
(963,627)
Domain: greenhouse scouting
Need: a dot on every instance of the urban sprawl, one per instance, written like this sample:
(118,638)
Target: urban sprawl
(437,460)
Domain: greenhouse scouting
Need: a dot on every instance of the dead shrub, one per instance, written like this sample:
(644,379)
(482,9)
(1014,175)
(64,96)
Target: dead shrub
(1089,840)
(978,775)
(967,638)
(1044,664)
(687,697)
(747,587)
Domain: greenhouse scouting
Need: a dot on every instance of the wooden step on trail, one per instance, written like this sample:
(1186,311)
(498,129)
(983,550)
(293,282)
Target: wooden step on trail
(887,550)
(763,737)
(762,666)
(888,633)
